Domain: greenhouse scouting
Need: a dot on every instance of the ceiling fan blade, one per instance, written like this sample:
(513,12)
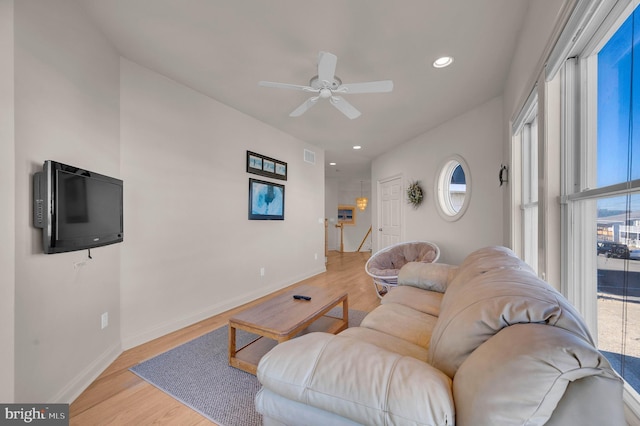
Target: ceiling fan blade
(327,66)
(304,107)
(368,87)
(286,86)
(345,107)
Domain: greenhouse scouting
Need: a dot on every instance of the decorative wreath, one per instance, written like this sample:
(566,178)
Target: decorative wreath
(415,194)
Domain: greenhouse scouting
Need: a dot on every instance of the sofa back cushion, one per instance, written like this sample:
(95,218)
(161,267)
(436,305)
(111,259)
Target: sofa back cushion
(488,259)
(427,276)
(501,293)
(520,375)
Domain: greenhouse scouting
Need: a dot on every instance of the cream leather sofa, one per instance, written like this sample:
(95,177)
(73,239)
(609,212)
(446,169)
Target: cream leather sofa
(498,347)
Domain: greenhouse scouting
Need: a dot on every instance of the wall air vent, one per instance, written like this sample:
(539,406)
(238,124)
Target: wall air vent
(309,156)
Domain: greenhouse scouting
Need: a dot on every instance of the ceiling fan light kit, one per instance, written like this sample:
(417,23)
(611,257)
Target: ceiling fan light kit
(316,83)
(326,85)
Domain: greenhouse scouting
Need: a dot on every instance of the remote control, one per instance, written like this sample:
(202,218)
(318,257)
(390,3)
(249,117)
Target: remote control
(300,297)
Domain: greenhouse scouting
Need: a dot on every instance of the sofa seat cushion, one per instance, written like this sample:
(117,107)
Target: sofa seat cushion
(403,322)
(424,301)
(387,341)
(358,381)
(474,311)
(536,362)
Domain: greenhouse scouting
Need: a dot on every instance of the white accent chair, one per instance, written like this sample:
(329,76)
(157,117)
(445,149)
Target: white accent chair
(384,265)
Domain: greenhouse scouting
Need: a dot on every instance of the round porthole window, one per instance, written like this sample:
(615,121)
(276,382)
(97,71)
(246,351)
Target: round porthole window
(453,188)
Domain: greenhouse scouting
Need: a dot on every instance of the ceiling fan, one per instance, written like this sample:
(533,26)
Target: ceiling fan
(327,86)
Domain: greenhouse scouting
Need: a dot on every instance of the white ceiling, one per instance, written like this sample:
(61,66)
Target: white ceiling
(222,48)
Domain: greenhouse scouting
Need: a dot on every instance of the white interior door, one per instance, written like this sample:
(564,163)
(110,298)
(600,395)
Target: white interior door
(390,212)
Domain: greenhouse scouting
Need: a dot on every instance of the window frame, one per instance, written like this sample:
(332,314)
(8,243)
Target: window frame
(579,192)
(442,188)
(527,139)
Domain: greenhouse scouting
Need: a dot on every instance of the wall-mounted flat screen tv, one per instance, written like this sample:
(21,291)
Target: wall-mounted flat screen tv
(77,209)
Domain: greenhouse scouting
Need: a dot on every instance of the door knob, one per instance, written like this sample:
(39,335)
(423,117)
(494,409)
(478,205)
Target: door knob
(380,229)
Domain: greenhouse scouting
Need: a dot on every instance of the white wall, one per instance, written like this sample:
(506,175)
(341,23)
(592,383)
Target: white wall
(345,192)
(530,54)
(353,234)
(66,109)
(331,194)
(477,136)
(7,191)
(190,251)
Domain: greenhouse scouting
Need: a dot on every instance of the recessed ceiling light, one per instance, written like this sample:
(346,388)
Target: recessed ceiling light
(442,62)
(332,164)
(357,147)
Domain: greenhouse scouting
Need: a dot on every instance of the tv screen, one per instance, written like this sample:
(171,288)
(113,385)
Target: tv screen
(77,208)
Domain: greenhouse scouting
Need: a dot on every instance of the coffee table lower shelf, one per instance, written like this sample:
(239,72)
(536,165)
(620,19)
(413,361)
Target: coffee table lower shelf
(248,357)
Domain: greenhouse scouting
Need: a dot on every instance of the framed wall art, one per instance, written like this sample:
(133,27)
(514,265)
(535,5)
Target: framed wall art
(266,200)
(266,166)
(347,215)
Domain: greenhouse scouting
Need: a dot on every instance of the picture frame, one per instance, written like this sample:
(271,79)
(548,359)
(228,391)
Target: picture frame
(347,215)
(254,162)
(266,200)
(266,166)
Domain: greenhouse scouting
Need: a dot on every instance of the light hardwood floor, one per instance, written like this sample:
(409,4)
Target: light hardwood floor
(119,397)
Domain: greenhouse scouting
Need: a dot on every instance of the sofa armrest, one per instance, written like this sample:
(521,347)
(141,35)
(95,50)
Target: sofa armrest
(358,381)
(521,375)
(427,276)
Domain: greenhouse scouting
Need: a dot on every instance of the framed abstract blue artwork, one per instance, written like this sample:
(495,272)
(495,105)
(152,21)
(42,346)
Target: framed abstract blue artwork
(266,200)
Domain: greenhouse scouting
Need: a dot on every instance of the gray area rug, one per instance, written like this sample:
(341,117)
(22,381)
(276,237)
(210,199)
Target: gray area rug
(197,373)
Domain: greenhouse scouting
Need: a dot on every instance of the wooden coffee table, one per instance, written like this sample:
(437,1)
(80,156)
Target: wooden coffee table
(282,318)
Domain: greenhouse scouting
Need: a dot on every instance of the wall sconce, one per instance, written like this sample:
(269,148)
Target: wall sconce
(503,174)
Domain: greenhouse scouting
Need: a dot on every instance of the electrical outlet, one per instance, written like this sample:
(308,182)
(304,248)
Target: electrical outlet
(262,272)
(316,256)
(104,319)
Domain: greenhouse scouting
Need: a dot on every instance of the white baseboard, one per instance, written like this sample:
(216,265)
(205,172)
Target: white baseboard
(87,376)
(163,329)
